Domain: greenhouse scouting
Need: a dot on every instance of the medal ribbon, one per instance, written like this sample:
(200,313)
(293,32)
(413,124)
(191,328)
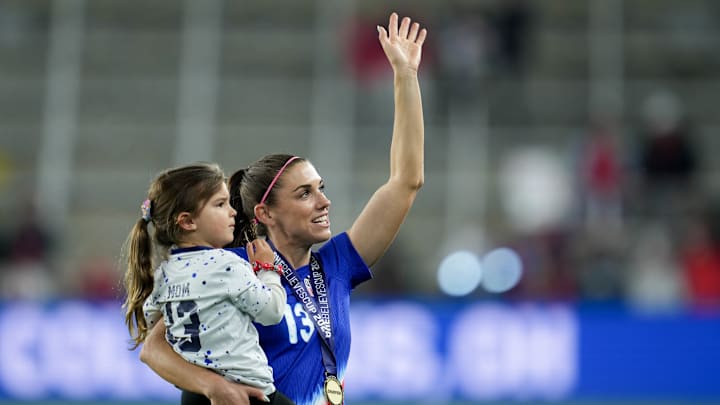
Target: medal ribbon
(318,309)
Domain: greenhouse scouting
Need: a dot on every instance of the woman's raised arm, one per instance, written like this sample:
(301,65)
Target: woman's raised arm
(379,222)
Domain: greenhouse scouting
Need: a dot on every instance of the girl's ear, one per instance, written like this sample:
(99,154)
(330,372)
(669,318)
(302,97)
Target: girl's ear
(185,220)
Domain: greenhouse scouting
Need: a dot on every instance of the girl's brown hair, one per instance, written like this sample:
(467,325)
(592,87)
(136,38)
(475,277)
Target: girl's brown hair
(177,190)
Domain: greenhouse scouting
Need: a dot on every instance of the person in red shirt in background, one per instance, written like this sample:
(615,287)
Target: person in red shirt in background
(700,259)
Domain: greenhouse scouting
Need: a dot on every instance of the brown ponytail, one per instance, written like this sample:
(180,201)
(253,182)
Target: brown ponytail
(245,230)
(138,280)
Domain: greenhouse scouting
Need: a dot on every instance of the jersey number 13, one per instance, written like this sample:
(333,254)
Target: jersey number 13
(192,329)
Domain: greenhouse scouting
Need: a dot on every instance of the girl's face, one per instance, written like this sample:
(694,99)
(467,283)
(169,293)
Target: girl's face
(215,222)
(300,211)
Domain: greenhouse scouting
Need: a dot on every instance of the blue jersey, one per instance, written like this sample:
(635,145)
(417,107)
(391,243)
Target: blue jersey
(293,345)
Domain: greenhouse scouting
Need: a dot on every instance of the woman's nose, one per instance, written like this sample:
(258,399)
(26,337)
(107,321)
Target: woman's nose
(325,202)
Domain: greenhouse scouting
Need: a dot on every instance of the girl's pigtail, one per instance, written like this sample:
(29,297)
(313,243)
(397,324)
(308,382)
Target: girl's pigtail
(138,280)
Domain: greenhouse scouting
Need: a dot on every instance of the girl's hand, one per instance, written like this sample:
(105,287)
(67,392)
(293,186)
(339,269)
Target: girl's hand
(260,250)
(403,45)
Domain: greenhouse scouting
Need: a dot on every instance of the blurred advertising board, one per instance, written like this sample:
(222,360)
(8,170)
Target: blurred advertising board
(420,351)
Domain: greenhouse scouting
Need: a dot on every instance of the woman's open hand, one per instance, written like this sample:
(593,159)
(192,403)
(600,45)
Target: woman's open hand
(403,44)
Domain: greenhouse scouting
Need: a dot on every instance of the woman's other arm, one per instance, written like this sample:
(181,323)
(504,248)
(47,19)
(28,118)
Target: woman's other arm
(163,360)
(379,222)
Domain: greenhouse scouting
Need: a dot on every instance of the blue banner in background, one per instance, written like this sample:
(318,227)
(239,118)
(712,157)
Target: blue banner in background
(635,356)
(410,350)
(480,351)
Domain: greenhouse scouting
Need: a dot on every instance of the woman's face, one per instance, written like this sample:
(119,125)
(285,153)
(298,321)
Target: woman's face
(300,211)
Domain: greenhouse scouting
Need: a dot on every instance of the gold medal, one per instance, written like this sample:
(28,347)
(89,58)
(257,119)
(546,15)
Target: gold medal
(333,390)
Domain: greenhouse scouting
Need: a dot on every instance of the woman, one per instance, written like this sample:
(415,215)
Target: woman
(283,197)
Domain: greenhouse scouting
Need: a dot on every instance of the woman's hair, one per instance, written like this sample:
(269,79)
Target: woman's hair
(177,190)
(247,187)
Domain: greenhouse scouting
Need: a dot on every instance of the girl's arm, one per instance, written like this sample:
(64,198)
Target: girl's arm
(273,311)
(379,222)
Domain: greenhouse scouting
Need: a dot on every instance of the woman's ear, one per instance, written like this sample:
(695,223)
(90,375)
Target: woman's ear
(262,214)
(185,220)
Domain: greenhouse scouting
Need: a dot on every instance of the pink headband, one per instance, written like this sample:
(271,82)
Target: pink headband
(274,180)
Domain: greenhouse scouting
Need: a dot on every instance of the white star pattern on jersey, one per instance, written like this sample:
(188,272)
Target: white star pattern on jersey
(209,299)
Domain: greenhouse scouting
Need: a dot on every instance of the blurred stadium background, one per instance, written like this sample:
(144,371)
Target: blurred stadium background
(565,247)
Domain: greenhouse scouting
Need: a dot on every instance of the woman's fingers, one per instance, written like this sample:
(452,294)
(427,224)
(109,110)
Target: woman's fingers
(404,28)
(414,28)
(393,26)
(407,30)
(402,44)
(421,37)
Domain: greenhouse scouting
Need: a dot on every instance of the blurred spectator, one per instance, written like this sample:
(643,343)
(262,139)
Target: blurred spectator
(512,23)
(653,279)
(27,274)
(366,57)
(601,178)
(668,157)
(547,263)
(30,241)
(600,272)
(99,280)
(700,258)
(561,279)
(478,41)
(466,44)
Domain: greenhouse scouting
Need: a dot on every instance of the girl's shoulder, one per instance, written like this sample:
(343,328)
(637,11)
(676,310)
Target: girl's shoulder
(238,251)
(205,256)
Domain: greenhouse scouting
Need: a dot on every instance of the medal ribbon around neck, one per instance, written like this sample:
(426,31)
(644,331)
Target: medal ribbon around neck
(317,307)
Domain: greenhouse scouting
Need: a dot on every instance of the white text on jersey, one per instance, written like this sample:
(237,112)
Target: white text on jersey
(178,290)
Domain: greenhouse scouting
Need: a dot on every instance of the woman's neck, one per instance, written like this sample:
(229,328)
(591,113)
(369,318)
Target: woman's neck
(296,255)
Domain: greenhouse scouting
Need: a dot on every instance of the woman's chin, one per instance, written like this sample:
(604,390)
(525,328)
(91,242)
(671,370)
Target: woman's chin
(324,236)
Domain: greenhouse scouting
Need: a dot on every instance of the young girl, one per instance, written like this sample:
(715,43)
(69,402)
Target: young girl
(207,296)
